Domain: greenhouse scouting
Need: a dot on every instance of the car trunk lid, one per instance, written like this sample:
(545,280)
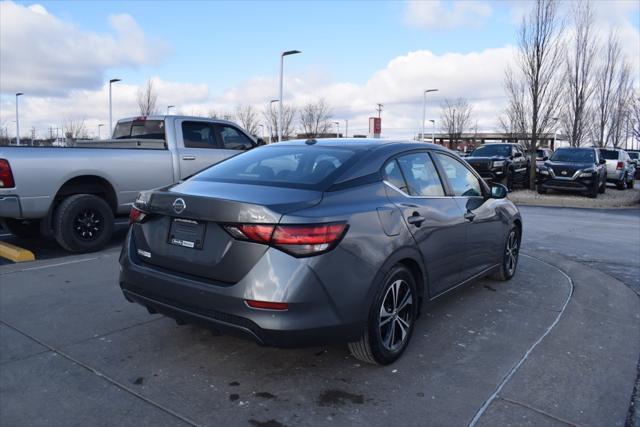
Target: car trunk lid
(184,230)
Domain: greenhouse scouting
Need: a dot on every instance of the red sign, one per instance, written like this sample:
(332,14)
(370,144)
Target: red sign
(375,126)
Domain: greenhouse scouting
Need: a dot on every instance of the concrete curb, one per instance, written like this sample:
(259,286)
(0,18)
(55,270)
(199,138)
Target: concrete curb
(571,201)
(584,371)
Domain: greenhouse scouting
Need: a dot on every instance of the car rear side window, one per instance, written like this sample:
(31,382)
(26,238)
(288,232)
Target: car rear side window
(420,175)
(233,139)
(282,166)
(393,176)
(609,154)
(198,135)
(461,180)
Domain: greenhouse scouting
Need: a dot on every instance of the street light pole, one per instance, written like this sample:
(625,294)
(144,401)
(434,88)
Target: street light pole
(337,129)
(110,107)
(18,119)
(169,107)
(433,131)
(271,120)
(99,126)
(424,109)
(282,55)
(346,128)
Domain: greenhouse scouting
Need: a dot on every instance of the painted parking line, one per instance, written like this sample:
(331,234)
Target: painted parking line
(15,253)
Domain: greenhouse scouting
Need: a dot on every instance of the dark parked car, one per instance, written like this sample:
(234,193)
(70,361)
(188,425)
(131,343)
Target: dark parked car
(635,158)
(305,242)
(574,169)
(506,163)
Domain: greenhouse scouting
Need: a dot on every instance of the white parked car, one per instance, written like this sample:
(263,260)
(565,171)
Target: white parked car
(620,168)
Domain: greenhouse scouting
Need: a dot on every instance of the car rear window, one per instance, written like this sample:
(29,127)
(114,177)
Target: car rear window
(139,129)
(282,166)
(634,155)
(575,155)
(609,154)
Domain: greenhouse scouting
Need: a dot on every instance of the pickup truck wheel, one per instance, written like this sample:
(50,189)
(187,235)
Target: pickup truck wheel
(83,223)
(22,227)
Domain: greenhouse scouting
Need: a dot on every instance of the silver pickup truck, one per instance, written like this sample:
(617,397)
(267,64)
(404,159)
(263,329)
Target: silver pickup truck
(73,193)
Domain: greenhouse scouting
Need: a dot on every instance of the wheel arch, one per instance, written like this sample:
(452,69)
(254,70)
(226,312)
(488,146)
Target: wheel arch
(89,184)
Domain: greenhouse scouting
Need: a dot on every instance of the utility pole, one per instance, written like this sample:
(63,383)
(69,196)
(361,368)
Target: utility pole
(18,119)
(346,128)
(379,109)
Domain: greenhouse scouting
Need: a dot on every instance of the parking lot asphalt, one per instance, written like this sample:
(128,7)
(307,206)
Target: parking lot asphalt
(559,344)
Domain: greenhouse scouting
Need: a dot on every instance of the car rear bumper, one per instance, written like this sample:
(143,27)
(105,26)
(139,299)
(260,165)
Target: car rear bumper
(616,176)
(309,320)
(10,207)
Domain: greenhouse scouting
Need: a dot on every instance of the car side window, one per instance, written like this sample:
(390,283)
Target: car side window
(198,135)
(421,175)
(233,139)
(461,180)
(391,173)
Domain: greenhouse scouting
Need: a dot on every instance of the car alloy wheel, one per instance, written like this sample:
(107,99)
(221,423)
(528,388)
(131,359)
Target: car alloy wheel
(88,224)
(396,315)
(511,253)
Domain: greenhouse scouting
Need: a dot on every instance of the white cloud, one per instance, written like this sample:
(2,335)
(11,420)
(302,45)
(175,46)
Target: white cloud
(439,15)
(44,55)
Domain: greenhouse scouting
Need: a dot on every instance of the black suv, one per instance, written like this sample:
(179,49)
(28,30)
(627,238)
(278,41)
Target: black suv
(574,169)
(506,163)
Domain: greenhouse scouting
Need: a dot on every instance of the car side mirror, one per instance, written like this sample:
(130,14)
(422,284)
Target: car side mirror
(498,191)
(545,158)
(602,161)
(518,154)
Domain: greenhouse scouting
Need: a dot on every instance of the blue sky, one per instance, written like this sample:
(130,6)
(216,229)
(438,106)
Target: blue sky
(206,56)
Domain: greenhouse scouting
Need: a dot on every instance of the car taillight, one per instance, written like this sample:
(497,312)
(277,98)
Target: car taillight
(266,305)
(296,240)
(620,166)
(136,215)
(6,176)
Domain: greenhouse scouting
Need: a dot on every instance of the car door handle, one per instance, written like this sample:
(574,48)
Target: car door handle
(188,157)
(416,219)
(469,216)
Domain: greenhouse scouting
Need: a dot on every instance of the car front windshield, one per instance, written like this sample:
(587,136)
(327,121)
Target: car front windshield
(573,156)
(492,150)
(282,166)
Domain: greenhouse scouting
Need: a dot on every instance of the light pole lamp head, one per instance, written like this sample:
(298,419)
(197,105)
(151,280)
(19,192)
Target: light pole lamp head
(290,52)
(19,94)
(430,90)
(114,80)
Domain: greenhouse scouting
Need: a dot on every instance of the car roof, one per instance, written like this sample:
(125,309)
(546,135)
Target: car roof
(173,116)
(373,152)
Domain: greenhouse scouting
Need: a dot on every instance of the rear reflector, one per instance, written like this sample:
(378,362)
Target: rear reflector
(6,176)
(297,240)
(266,305)
(136,215)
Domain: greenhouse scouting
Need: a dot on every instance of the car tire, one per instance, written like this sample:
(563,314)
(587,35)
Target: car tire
(630,183)
(83,223)
(620,185)
(394,310)
(603,187)
(510,255)
(26,229)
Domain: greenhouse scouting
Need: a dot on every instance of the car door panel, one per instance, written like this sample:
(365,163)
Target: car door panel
(436,222)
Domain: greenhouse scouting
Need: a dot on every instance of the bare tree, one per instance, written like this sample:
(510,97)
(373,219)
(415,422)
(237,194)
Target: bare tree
(621,108)
(533,88)
(147,98)
(315,118)
(248,118)
(455,118)
(270,115)
(579,81)
(635,118)
(75,129)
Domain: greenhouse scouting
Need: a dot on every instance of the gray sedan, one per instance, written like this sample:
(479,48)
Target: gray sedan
(307,242)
